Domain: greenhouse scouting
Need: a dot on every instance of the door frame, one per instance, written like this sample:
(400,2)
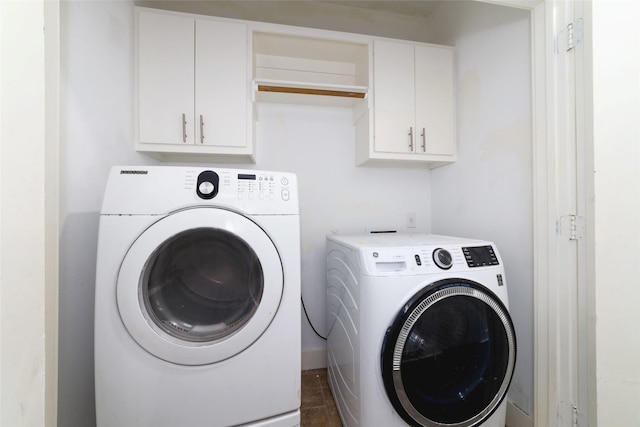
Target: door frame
(560,265)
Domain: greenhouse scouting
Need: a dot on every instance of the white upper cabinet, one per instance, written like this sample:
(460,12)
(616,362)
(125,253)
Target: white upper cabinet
(221,84)
(435,101)
(395,97)
(193,87)
(413,118)
(166,76)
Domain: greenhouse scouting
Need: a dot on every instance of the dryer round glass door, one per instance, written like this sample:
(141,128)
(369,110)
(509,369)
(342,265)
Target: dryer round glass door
(199,286)
(448,358)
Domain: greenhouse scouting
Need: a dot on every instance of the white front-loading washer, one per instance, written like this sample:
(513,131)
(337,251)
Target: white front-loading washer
(197,301)
(419,331)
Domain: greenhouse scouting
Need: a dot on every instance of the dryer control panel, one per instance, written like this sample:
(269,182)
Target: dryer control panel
(156,190)
(253,191)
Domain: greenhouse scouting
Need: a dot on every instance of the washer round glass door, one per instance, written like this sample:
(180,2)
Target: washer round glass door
(199,286)
(448,357)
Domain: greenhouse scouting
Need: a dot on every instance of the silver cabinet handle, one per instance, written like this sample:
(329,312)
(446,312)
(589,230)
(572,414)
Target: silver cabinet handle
(184,128)
(201,129)
(411,139)
(424,140)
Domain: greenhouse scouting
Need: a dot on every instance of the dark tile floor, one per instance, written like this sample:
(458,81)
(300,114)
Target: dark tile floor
(318,408)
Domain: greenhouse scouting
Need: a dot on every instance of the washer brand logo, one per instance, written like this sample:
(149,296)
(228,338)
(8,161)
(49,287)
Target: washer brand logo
(133,172)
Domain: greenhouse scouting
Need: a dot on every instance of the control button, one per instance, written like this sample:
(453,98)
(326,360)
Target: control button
(285,194)
(442,258)
(206,187)
(284,181)
(417,257)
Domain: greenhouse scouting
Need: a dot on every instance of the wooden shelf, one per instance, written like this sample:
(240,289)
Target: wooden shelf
(291,92)
(309,91)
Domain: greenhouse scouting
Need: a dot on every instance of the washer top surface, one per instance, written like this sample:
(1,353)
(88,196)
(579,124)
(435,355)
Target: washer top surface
(158,190)
(405,254)
(401,240)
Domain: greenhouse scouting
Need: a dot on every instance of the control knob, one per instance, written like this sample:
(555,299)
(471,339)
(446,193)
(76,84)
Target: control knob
(442,258)
(207,185)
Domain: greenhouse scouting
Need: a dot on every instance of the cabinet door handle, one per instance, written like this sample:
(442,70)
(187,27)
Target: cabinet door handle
(424,140)
(411,139)
(201,129)
(184,128)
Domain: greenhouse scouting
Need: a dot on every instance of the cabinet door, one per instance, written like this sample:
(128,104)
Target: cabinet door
(394,104)
(165,78)
(435,108)
(221,95)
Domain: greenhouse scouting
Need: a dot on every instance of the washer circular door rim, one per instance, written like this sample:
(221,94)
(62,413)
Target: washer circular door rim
(415,404)
(133,267)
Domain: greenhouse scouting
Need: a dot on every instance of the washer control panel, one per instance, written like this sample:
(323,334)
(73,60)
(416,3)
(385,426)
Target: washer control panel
(428,259)
(414,260)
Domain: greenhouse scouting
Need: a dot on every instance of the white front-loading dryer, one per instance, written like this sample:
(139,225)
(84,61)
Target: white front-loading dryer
(419,331)
(197,305)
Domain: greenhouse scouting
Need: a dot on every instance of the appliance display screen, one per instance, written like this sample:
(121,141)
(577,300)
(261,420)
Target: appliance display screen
(480,256)
(246,176)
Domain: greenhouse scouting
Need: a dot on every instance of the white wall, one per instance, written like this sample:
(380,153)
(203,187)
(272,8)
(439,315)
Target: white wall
(97,133)
(616,138)
(317,143)
(488,192)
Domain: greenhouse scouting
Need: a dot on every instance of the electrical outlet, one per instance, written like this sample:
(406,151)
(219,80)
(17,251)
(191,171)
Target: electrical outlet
(411,220)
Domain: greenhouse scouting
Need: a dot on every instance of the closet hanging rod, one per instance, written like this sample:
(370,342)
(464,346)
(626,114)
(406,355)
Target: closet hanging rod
(307,91)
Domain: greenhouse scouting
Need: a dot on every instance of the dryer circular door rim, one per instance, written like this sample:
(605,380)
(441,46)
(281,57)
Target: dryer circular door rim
(134,312)
(451,344)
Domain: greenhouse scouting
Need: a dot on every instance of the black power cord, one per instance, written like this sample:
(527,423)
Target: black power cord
(309,320)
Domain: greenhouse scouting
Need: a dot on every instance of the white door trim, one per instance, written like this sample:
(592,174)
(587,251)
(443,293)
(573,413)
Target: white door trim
(29,131)
(549,193)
